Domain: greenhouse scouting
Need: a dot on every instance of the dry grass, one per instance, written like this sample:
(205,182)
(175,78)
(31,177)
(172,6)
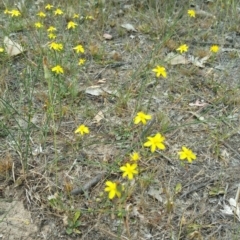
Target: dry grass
(41,159)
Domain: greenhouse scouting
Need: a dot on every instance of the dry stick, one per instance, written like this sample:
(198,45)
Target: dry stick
(88,185)
(227,145)
(13,173)
(88,231)
(197,187)
(218,229)
(126,223)
(164,156)
(74,163)
(47,179)
(225,192)
(147,128)
(236,208)
(195,114)
(235,151)
(113,65)
(112,234)
(237,194)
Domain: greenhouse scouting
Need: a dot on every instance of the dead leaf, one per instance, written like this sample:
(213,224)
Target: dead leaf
(226,210)
(94,49)
(115,55)
(136,213)
(129,27)
(97,90)
(235,208)
(195,235)
(65,220)
(114,92)
(94,90)
(175,59)
(98,117)
(204,14)
(198,62)
(107,36)
(198,104)
(232,210)
(101,81)
(155,194)
(12,48)
(38,150)
(225,154)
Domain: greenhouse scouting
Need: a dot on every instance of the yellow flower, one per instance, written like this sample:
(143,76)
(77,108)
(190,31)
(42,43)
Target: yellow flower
(58,11)
(129,170)
(155,142)
(113,188)
(183,48)
(159,70)
(79,49)
(142,117)
(76,15)
(214,48)
(134,156)
(1,49)
(41,14)
(6,11)
(56,46)
(90,17)
(51,29)
(81,61)
(191,13)
(51,36)
(38,25)
(57,69)
(71,24)
(48,7)
(82,129)
(14,13)
(187,154)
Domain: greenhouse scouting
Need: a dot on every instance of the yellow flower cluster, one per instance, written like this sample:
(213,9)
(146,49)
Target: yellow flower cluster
(161,71)
(71,24)
(82,129)
(79,49)
(57,69)
(58,11)
(191,13)
(183,48)
(51,30)
(49,8)
(56,46)
(155,142)
(41,14)
(38,25)
(12,13)
(129,170)
(214,48)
